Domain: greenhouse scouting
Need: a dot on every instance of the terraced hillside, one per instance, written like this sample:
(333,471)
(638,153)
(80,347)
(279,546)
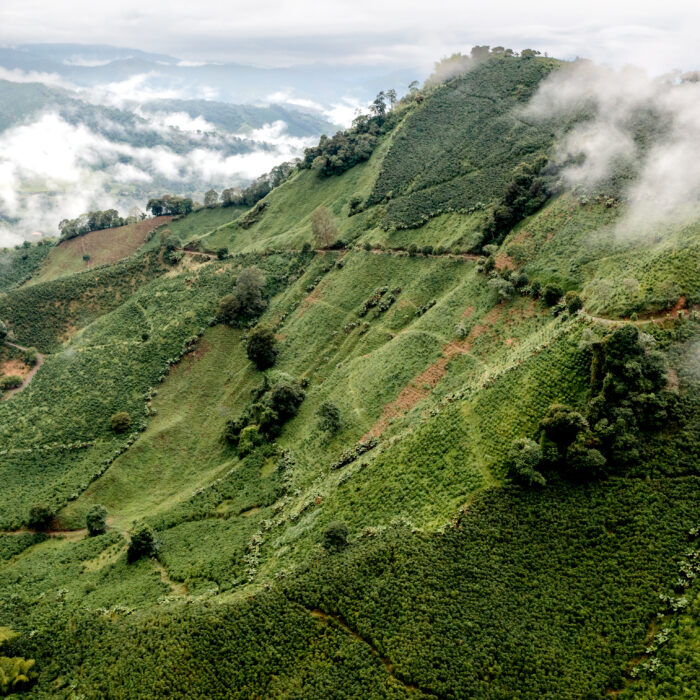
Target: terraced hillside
(397,505)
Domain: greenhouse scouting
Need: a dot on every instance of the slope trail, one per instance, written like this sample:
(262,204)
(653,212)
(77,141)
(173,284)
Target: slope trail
(411,688)
(30,376)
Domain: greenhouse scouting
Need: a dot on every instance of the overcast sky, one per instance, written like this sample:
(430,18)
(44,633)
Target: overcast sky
(659,35)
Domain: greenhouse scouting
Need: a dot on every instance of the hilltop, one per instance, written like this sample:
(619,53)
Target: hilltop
(419,423)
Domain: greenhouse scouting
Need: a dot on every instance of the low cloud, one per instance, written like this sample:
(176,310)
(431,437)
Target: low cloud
(15,75)
(51,169)
(610,107)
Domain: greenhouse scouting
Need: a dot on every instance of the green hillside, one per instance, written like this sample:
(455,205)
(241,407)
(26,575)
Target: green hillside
(397,505)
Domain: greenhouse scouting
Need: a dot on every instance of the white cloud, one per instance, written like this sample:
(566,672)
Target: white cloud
(16,75)
(345,111)
(82,62)
(76,165)
(666,189)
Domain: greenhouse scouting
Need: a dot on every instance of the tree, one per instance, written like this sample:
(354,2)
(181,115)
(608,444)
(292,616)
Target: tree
(40,516)
(502,288)
(328,415)
(3,332)
(583,462)
(562,424)
(335,536)
(96,520)
(323,227)
(120,422)
(221,253)
(261,347)
(143,542)
(573,302)
(211,198)
(523,461)
(285,398)
(551,293)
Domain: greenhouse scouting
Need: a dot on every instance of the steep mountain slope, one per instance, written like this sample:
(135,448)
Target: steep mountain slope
(457,580)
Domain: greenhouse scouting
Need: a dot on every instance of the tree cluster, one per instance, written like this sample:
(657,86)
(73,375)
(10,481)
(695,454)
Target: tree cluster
(92,221)
(169,205)
(270,408)
(525,193)
(247,301)
(629,401)
(259,188)
(335,155)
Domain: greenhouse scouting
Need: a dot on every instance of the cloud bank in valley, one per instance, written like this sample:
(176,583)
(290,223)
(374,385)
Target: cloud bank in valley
(51,169)
(666,189)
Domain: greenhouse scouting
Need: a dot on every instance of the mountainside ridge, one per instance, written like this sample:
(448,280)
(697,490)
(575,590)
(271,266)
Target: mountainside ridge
(383,539)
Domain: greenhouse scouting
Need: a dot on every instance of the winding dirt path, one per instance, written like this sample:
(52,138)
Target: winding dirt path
(29,377)
(681,305)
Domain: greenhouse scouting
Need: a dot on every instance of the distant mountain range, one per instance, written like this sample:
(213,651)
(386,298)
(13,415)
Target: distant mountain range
(96,65)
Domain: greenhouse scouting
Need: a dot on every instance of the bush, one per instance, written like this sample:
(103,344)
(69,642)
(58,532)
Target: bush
(3,331)
(573,302)
(551,293)
(221,253)
(12,381)
(15,674)
(142,544)
(96,520)
(412,249)
(120,422)
(261,347)
(354,205)
(31,357)
(328,417)
(523,461)
(335,536)
(249,439)
(40,516)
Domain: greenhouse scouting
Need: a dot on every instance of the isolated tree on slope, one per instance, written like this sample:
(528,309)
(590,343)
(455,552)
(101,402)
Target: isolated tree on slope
(323,227)
(261,347)
(211,198)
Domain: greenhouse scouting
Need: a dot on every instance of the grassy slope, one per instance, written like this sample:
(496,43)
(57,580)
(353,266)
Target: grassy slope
(525,571)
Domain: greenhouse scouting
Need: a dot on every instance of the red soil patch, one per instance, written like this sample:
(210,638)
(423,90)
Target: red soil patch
(467,312)
(503,261)
(419,387)
(14,368)
(315,296)
(678,306)
(186,363)
(280,337)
